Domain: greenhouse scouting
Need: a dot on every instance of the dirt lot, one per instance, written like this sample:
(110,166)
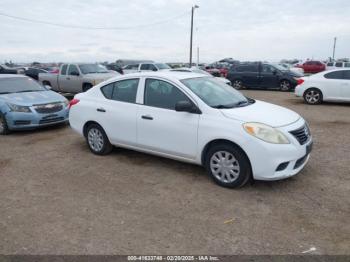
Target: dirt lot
(58,198)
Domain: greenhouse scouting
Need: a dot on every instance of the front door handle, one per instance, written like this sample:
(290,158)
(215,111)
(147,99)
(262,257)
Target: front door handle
(147,117)
(101,110)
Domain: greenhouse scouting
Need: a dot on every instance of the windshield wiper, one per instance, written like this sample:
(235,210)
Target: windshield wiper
(4,93)
(223,106)
(27,91)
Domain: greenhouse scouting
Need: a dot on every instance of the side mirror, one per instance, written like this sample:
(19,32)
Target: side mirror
(47,87)
(74,73)
(186,106)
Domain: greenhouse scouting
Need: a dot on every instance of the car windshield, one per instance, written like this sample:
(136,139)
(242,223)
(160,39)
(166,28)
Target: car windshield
(215,93)
(19,85)
(92,68)
(162,66)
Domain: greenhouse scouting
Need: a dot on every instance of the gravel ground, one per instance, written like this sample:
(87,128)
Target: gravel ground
(58,198)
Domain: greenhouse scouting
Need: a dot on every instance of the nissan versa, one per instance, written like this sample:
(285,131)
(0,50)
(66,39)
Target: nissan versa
(25,104)
(196,119)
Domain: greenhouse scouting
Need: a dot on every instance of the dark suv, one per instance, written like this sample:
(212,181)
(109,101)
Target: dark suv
(263,76)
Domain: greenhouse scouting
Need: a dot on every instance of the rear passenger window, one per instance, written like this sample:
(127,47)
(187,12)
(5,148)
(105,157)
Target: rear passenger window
(124,90)
(334,75)
(339,64)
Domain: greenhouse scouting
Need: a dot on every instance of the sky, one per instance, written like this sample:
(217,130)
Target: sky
(246,30)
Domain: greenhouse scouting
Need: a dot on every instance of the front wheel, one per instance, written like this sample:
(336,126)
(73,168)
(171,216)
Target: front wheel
(228,166)
(285,85)
(313,96)
(237,84)
(4,130)
(97,140)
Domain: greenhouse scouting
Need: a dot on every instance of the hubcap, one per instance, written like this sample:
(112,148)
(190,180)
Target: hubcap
(285,85)
(312,96)
(2,125)
(237,84)
(224,166)
(95,139)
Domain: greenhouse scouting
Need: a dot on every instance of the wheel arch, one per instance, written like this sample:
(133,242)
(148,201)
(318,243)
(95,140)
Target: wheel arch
(87,124)
(221,141)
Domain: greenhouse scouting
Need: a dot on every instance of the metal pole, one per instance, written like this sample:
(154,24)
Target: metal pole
(197,56)
(190,65)
(335,41)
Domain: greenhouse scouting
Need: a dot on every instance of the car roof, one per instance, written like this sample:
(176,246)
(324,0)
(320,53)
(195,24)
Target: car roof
(171,75)
(2,76)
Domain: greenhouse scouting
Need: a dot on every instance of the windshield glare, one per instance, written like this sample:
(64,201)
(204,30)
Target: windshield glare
(92,68)
(163,66)
(215,93)
(15,85)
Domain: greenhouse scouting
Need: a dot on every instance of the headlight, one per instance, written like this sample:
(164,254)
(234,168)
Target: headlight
(17,108)
(266,133)
(66,103)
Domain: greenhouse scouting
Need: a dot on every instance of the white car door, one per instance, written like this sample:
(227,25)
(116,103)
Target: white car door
(117,113)
(161,128)
(332,86)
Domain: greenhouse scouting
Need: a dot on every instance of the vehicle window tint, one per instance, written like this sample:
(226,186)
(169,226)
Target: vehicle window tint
(247,68)
(125,90)
(346,74)
(347,65)
(329,64)
(73,69)
(144,67)
(334,75)
(64,70)
(107,90)
(339,64)
(162,94)
(267,69)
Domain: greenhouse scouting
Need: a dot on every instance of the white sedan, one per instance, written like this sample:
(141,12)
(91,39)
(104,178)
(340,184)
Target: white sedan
(325,86)
(196,119)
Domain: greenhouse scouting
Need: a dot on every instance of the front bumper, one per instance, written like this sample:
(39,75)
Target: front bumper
(21,121)
(266,158)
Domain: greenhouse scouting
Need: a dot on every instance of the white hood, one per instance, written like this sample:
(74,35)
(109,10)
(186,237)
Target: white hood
(262,112)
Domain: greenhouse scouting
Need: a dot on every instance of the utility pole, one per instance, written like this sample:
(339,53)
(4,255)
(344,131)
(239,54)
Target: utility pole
(191,40)
(335,41)
(197,55)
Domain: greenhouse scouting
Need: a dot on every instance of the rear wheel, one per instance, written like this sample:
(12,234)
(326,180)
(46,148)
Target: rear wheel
(4,130)
(228,165)
(285,85)
(237,84)
(97,140)
(313,96)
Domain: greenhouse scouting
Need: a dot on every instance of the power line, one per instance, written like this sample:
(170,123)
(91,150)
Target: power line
(92,28)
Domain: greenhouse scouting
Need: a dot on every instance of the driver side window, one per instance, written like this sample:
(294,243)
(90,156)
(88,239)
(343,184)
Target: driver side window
(162,94)
(73,70)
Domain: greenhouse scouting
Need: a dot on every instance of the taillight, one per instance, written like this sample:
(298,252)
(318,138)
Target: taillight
(73,102)
(300,81)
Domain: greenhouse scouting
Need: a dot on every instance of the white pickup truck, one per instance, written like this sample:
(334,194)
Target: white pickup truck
(143,67)
(76,78)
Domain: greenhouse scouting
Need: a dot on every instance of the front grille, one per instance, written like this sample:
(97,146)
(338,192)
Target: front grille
(50,120)
(300,161)
(302,134)
(48,108)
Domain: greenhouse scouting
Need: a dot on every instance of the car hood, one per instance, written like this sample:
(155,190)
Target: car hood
(101,76)
(262,112)
(33,98)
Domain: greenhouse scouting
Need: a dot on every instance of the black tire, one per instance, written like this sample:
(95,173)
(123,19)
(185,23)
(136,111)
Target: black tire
(285,85)
(237,84)
(4,130)
(86,87)
(240,160)
(313,96)
(106,146)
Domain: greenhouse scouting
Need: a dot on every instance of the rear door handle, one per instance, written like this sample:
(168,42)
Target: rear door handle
(101,110)
(147,117)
